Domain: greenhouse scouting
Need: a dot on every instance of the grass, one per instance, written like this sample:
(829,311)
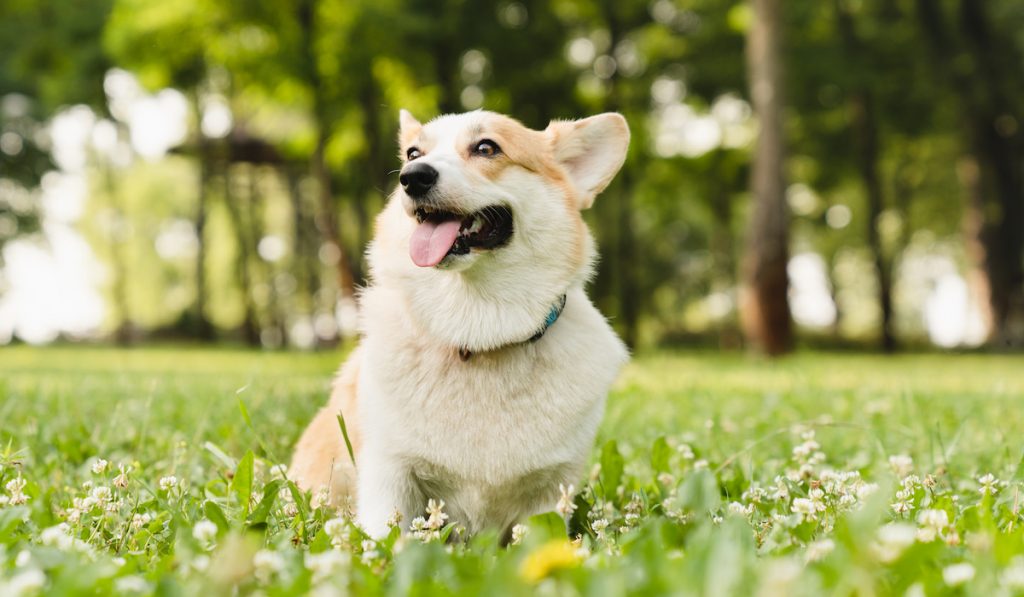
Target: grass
(714,474)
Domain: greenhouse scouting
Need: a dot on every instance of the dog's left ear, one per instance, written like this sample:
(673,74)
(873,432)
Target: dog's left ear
(591,150)
(408,127)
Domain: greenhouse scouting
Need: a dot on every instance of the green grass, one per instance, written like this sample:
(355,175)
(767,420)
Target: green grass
(714,474)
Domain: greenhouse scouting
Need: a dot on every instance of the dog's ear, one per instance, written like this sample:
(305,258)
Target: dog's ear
(408,127)
(591,150)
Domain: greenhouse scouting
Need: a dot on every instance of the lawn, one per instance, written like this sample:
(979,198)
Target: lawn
(152,471)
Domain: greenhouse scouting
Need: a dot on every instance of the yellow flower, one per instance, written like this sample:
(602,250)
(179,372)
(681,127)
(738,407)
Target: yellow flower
(557,554)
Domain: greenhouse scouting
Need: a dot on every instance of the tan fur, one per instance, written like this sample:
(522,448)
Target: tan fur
(321,458)
(520,147)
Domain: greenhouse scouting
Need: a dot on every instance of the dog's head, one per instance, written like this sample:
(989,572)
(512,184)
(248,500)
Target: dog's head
(485,202)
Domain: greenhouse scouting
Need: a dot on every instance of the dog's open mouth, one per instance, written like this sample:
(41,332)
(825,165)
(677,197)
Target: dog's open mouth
(441,233)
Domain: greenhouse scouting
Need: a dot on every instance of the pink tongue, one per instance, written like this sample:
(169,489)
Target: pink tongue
(430,242)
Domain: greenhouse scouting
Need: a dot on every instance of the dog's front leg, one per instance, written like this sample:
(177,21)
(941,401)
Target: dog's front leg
(385,485)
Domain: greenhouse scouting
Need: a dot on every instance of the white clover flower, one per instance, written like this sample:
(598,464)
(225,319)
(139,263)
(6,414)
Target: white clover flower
(519,532)
(205,532)
(864,490)
(15,487)
(754,495)
(1013,576)
(200,563)
(338,531)
(324,565)
(29,582)
(266,564)
(121,480)
(893,539)
(715,519)
(168,483)
(290,510)
(807,508)
(131,584)
(565,505)
(700,465)
(4,500)
(22,559)
(666,479)
(900,507)
(739,509)
(101,494)
(395,519)
(57,536)
(279,471)
(370,553)
(901,464)
(989,484)
(685,451)
(334,527)
(140,520)
(957,574)
(100,466)
(321,498)
(802,451)
(819,549)
(435,514)
(932,522)
(910,482)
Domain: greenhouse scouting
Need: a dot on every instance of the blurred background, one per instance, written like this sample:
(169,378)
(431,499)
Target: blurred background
(835,173)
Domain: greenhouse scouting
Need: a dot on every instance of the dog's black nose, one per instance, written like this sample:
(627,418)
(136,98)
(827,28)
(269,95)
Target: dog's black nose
(417,179)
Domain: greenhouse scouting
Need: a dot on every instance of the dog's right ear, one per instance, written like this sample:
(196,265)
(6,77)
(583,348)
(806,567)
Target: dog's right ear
(591,150)
(408,127)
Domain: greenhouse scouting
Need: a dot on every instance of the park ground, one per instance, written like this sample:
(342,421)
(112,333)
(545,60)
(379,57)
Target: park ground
(152,471)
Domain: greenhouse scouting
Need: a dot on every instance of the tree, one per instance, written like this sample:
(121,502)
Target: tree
(765,312)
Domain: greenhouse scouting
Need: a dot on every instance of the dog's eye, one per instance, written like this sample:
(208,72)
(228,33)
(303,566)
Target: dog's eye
(412,153)
(486,148)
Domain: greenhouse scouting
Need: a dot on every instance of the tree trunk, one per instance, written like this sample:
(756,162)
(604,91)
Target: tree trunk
(327,216)
(620,192)
(204,330)
(765,310)
(994,203)
(1002,160)
(250,323)
(864,129)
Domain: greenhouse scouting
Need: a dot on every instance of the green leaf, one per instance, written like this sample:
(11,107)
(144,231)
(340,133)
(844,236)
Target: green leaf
(344,434)
(699,493)
(263,509)
(216,516)
(245,412)
(611,469)
(241,484)
(660,454)
(578,521)
(547,526)
(10,519)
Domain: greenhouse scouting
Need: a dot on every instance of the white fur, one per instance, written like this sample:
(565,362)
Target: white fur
(493,436)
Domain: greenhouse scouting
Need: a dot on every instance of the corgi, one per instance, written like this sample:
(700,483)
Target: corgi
(482,370)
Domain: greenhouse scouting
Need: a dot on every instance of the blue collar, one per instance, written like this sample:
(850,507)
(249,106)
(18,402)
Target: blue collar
(553,315)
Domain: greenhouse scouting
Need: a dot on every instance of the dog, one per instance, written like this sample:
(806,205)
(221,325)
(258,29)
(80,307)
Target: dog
(482,370)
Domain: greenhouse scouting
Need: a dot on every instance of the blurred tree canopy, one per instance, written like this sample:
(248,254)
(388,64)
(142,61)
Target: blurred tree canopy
(898,142)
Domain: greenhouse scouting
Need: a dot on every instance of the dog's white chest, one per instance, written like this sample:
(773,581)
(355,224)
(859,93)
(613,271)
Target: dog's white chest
(498,432)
